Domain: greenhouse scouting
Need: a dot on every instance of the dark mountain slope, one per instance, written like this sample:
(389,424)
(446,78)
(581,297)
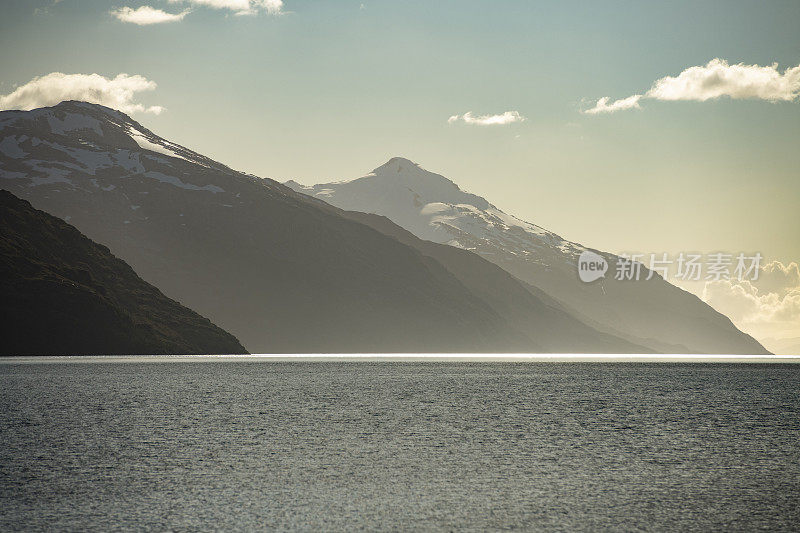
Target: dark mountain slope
(62,294)
(540,318)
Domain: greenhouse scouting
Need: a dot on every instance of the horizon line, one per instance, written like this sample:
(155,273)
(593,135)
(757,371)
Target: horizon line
(408,357)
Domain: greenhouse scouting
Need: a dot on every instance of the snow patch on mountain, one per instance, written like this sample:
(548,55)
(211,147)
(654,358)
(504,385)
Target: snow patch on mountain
(172,180)
(77,144)
(144,143)
(73,122)
(48,173)
(10,148)
(89,161)
(6,174)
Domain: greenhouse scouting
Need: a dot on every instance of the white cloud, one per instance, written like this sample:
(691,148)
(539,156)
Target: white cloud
(718,79)
(46,9)
(117,93)
(768,308)
(602,105)
(146,15)
(714,80)
(488,120)
(239,7)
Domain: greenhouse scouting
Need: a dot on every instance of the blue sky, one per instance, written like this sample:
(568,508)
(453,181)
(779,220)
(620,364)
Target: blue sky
(331,89)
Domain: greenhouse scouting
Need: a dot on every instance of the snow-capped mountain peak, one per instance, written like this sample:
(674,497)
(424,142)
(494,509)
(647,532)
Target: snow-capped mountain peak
(436,209)
(75,146)
(428,185)
(94,127)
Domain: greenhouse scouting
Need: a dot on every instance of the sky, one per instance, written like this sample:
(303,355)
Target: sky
(625,126)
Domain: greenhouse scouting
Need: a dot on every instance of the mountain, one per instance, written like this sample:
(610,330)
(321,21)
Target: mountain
(281,271)
(546,323)
(62,294)
(652,313)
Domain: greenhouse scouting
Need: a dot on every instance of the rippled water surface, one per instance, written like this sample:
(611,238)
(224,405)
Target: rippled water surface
(391,445)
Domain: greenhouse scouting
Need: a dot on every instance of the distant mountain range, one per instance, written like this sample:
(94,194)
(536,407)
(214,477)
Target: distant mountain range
(287,272)
(281,271)
(653,313)
(62,294)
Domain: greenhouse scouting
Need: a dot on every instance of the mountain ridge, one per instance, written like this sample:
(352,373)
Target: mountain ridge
(281,271)
(652,312)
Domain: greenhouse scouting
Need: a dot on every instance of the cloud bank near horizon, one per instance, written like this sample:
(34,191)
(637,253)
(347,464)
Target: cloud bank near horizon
(768,307)
(118,92)
(509,117)
(714,80)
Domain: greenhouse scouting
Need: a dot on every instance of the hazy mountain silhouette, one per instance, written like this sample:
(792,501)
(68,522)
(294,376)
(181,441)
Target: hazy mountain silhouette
(280,270)
(651,313)
(62,294)
(544,321)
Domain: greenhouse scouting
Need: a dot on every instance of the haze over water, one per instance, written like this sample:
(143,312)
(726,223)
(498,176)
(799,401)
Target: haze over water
(408,445)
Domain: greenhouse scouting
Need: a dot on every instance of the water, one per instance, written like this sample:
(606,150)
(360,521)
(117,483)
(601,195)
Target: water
(390,445)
